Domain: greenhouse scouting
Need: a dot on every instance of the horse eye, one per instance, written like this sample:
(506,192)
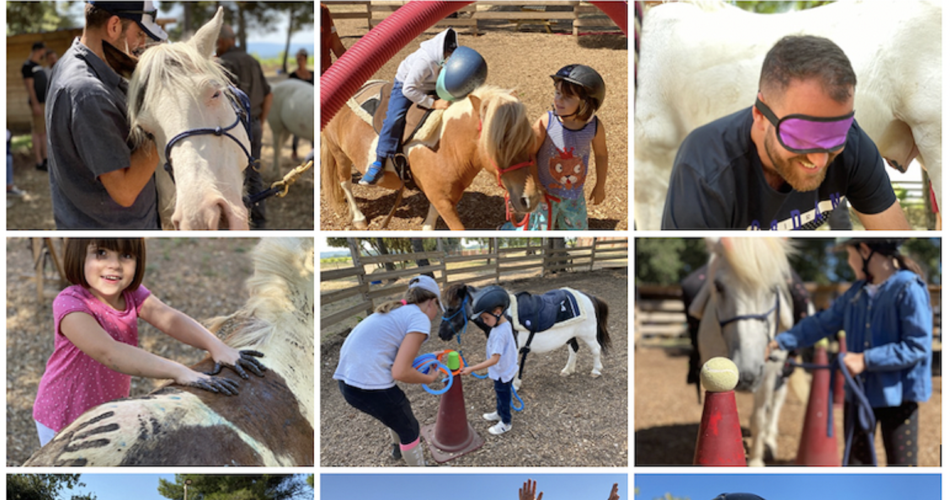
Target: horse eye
(216,94)
(719,287)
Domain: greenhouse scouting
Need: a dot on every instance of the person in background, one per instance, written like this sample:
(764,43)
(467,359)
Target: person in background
(329,39)
(35,80)
(302,73)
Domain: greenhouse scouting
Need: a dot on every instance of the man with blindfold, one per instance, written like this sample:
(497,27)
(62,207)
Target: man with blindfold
(96,180)
(790,159)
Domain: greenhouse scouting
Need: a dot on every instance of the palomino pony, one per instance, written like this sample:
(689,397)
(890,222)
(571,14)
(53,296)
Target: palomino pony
(181,97)
(589,325)
(291,113)
(269,423)
(489,130)
(745,301)
(699,61)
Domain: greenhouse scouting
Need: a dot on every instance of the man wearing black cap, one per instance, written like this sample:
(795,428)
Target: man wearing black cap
(96,181)
(249,77)
(35,80)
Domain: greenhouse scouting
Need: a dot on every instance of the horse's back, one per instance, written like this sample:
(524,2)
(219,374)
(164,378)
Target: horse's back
(293,108)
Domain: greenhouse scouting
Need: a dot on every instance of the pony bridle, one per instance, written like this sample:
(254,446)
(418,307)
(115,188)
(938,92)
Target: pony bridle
(243,111)
(777,307)
(461,310)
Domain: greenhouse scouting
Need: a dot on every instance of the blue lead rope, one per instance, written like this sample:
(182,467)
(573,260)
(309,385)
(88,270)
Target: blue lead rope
(862,413)
(514,392)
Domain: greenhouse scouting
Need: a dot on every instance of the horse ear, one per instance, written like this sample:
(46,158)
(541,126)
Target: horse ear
(698,305)
(206,38)
(476,105)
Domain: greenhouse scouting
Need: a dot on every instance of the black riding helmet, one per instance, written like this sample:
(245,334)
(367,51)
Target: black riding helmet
(486,301)
(888,247)
(738,496)
(586,77)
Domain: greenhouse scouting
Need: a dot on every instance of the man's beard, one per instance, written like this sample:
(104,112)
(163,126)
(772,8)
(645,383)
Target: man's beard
(792,173)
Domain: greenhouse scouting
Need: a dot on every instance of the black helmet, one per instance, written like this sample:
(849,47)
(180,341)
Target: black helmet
(489,298)
(883,246)
(586,77)
(738,496)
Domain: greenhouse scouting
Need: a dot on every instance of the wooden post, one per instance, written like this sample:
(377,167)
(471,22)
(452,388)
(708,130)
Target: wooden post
(38,259)
(593,253)
(361,276)
(544,256)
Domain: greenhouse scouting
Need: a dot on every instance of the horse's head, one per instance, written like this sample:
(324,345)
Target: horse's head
(176,91)
(457,300)
(507,144)
(744,303)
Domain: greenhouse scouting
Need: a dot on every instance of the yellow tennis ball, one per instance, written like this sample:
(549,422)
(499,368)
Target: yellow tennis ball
(719,375)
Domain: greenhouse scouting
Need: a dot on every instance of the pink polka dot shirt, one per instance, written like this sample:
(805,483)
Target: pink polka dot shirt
(75,382)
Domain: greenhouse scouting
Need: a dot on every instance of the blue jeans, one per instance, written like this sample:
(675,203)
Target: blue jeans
(395,123)
(389,406)
(503,400)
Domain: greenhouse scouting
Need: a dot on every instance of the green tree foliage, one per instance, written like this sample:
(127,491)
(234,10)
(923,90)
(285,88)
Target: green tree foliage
(37,17)
(666,261)
(310,480)
(772,7)
(40,486)
(236,487)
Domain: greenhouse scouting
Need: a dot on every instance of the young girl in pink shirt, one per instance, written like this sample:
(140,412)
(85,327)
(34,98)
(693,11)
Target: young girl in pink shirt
(96,349)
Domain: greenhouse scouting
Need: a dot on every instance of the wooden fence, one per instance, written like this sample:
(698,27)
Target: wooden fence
(581,15)
(659,309)
(350,291)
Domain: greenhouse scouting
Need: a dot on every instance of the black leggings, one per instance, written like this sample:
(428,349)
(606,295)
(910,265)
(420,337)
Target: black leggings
(899,430)
(389,406)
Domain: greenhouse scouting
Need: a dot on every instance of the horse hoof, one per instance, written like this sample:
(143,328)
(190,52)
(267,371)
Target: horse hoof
(756,462)
(565,373)
(594,374)
(360,224)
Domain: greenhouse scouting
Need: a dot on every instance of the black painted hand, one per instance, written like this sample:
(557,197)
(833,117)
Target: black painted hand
(217,385)
(247,360)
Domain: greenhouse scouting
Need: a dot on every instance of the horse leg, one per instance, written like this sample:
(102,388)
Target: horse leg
(431,218)
(759,421)
(591,340)
(775,409)
(359,220)
(571,358)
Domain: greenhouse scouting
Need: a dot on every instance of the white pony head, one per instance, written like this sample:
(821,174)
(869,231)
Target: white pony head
(178,87)
(744,302)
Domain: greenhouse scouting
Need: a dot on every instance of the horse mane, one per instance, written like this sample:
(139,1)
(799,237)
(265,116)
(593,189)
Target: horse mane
(704,5)
(450,295)
(168,66)
(507,130)
(283,268)
(757,262)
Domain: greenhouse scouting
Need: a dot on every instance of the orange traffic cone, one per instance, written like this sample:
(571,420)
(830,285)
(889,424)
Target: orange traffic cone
(451,436)
(816,447)
(719,442)
(839,375)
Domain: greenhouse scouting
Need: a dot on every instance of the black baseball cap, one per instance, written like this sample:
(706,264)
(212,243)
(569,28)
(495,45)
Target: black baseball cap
(143,13)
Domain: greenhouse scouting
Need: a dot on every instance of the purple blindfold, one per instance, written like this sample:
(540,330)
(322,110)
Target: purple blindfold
(805,134)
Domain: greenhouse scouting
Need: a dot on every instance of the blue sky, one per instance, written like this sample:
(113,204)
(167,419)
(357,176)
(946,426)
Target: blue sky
(835,486)
(122,486)
(467,486)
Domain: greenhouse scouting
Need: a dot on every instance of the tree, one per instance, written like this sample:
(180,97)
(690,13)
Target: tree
(235,487)
(37,17)
(40,486)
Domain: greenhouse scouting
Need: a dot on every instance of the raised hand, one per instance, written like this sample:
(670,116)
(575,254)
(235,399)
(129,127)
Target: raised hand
(246,360)
(527,491)
(613,493)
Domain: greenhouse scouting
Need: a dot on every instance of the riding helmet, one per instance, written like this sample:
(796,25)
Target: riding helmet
(738,496)
(488,299)
(465,71)
(586,77)
(883,246)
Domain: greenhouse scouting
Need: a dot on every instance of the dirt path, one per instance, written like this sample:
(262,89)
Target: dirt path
(667,415)
(521,61)
(572,421)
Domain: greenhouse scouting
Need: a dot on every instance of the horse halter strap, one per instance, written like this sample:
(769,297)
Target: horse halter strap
(458,334)
(243,113)
(777,307)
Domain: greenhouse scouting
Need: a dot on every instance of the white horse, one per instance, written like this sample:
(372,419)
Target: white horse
(745,301)
(701,62)
(290,114)
(269,423)
(178,88)
(589,326)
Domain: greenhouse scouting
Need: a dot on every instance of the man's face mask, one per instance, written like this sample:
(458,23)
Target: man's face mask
(804,134)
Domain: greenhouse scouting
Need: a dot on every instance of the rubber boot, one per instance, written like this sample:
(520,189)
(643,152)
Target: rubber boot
(414,456)
(396,452)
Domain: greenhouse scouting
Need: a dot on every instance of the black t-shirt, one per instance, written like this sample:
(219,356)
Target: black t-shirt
(718,183)
(293,76)
(33,70)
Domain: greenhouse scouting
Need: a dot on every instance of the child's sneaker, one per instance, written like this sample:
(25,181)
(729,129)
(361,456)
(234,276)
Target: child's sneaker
(499,429)
(491,417)
(372,174)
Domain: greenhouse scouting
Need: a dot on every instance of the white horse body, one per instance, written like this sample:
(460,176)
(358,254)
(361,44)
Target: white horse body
(700,63)
(583,328)
(291,113)
(748,276)
(175,88)
(268,423)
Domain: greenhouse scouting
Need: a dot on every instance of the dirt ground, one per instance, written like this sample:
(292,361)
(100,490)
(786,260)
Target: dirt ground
(573,421)
(202,277)
(522,61)
(294,211)
(667,415)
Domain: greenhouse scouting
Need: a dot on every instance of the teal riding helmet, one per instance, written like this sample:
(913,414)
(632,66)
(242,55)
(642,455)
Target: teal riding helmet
(463,72)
